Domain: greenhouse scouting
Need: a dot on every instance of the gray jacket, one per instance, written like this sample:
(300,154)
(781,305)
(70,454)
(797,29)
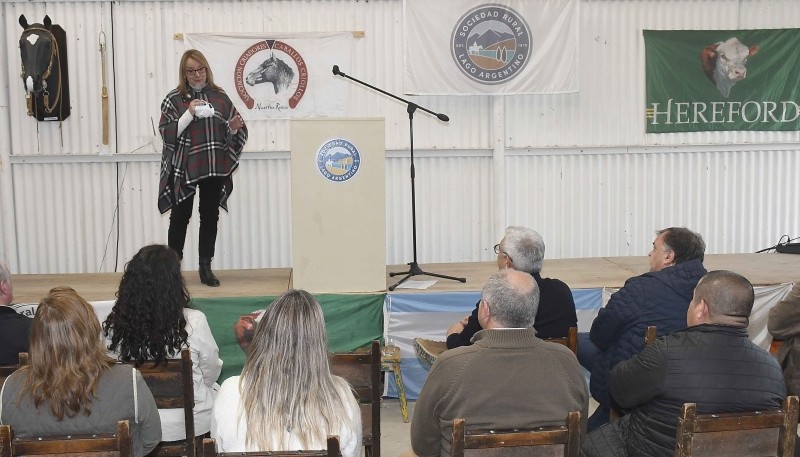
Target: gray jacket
(121,394)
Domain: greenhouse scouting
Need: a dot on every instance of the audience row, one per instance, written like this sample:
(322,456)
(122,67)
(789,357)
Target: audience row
(285,399)
(499,374)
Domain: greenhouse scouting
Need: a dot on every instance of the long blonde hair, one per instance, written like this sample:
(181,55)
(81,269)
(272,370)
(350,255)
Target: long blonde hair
(286,380)
(67,356)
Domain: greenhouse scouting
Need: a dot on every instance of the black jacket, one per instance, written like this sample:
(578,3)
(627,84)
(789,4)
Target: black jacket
(556,314)
(715,366)
(14,330)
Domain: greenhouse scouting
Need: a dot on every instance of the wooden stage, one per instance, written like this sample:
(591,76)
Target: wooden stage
(585,273)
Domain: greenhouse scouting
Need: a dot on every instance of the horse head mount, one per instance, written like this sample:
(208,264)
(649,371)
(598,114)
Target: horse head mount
(44,68)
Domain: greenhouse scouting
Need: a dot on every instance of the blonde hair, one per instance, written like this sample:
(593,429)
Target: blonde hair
(286,382)
(183,83)
(67,357)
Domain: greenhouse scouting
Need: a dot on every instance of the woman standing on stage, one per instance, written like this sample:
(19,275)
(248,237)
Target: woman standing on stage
(203,138)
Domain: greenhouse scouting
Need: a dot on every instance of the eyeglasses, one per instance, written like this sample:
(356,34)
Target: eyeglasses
(498,251)
(196,71)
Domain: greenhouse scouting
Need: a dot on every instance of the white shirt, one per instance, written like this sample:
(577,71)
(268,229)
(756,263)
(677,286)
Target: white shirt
(229,427)
(206,367)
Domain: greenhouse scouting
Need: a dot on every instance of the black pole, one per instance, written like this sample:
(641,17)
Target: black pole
(413,266)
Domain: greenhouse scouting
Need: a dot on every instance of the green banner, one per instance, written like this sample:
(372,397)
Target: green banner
(713,80)
(351,321)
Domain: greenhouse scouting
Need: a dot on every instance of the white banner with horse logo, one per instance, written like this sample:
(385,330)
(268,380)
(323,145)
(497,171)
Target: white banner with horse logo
(279,76)
(472,47)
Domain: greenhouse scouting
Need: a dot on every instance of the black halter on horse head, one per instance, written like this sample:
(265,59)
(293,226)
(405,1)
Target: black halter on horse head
(44,69)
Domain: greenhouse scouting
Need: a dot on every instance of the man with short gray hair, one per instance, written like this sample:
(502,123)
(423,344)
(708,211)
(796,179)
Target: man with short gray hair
(522,249)
(14,327)
(507,379)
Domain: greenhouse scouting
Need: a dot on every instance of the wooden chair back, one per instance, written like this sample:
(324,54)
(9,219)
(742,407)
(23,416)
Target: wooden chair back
(119,444)
(362,370)
(737,434)
(171,385)
(6,370)
(561,440)
(649,335)
(570,341)
(649,338)
(210,450)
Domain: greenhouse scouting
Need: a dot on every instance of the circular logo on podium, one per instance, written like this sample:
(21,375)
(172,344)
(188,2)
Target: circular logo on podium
(338,160)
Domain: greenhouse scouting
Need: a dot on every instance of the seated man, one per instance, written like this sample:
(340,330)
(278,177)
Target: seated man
(508,378)
(14,328)
(522,249)
(784,324)
(658,298)
(711,363)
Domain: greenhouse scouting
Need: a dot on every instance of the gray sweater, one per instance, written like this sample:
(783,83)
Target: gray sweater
(508,378)
(114,402)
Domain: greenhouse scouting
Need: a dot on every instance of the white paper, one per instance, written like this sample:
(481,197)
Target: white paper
(416,284)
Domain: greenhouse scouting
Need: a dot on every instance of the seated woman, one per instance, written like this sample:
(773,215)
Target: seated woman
(151,320)
(286,397)
(71,386)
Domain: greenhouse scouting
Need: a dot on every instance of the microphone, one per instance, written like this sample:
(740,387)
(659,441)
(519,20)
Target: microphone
(336,70)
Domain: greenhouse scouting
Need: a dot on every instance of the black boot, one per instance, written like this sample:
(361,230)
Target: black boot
(206,275)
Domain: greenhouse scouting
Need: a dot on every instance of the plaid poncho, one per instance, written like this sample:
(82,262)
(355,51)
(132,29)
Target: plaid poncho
(205,148)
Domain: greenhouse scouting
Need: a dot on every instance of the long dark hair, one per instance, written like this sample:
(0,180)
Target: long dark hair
(147,321)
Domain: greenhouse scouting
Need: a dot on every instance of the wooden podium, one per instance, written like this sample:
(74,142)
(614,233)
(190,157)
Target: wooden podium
(338,205)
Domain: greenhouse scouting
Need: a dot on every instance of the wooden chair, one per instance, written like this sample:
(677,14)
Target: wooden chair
(6,370)
(171,385)
(570,341)
(753,433)
(649,338)
(363,371)
(390,362)
(541,441)
(650,335)
(210,450)
(103,445)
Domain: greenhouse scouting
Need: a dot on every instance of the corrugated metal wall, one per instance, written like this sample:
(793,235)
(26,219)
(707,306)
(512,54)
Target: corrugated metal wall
(577,167)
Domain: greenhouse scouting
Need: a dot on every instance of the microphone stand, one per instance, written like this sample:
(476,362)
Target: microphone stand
(413,267)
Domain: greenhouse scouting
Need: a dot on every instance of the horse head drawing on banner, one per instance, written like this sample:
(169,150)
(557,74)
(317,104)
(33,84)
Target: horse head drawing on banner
(44,69)
(272,70)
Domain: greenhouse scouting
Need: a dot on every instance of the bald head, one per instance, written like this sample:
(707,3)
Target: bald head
(510,300)
(722,297)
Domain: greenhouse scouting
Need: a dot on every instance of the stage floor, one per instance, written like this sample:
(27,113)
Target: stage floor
(585,273)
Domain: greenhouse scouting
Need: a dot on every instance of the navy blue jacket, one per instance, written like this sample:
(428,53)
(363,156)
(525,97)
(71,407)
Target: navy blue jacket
(659,298)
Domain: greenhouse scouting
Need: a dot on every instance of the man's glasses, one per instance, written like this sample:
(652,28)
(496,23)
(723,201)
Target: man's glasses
(498,251)
(196,71)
